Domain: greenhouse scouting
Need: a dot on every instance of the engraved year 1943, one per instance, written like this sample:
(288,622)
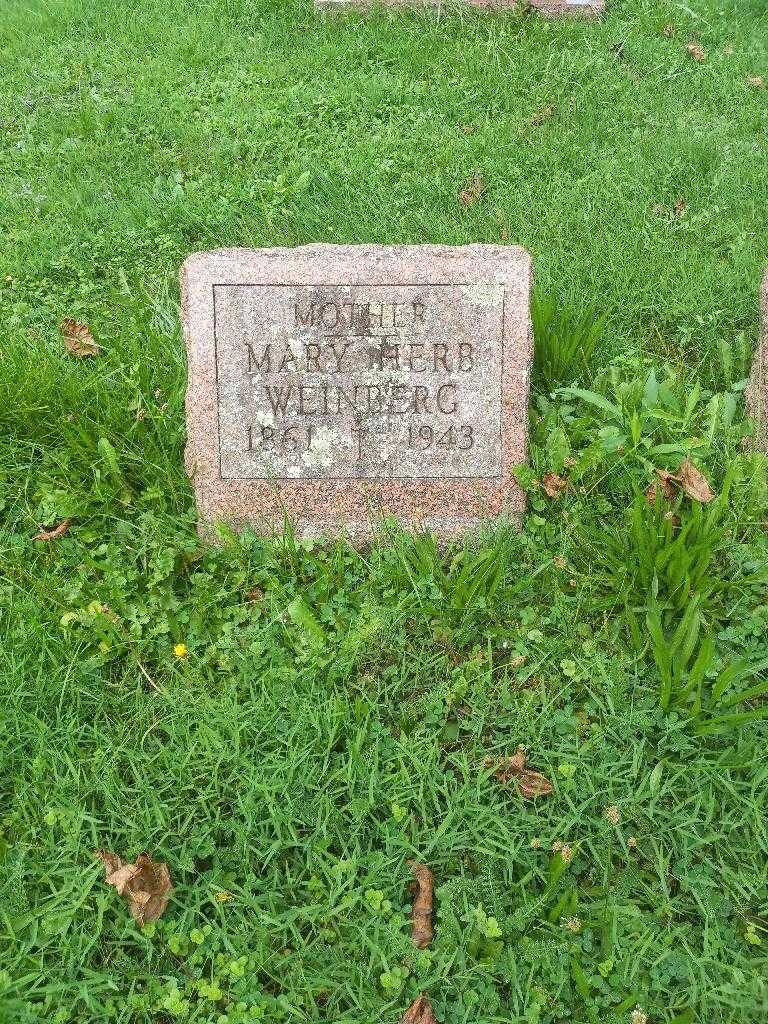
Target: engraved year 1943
(423,436)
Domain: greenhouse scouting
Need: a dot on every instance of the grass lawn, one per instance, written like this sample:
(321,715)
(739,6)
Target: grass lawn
(333,714)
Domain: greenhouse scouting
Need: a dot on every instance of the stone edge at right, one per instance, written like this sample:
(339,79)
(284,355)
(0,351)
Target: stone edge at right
(757,390)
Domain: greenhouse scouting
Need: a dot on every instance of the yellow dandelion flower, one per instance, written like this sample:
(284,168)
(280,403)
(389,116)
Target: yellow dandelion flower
(180,650)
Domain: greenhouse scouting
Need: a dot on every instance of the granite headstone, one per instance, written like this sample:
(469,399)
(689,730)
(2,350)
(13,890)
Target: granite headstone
(340,384)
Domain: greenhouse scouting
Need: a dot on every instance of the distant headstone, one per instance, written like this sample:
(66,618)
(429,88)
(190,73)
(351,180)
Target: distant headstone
(340,384)
(549,8)
(757,391)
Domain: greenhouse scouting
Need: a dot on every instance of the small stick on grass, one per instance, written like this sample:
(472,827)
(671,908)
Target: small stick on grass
(421,915)
(148,677)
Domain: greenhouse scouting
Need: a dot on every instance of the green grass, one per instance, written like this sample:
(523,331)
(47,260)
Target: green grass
(336,709)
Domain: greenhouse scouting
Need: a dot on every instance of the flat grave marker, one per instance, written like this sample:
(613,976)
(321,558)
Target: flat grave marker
(340,384)
(548,8)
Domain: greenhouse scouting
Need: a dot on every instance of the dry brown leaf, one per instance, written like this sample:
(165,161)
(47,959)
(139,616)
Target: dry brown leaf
(553,485)
(78,339)
(55,533)
(694,483)
(543,115)
(677,210)
(530,783)
(421,913)
(696,52)
(473,190)
(145,885)
(665,482)
(469,129)
(669,30)
(110,861)
(688,478)
(756,81)
(420,1012)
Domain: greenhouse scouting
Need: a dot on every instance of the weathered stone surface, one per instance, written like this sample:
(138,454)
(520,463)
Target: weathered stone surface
(339,384)
(549,8)
(757,391)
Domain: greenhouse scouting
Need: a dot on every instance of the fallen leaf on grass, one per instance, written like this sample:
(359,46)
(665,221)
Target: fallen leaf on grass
(469,129)
(675,211)
(688,478)
(553,485)
(534,784)
(756,81)
(145,885)
(694,482)
(530,783)
(664,483)
(78,339)
(669,30)
(473,190)
(420,1012)
(543,115)
(55,533)
(696,52)
(421,914)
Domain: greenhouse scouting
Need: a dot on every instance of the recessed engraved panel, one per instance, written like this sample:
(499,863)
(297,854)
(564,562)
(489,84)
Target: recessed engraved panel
(344,381)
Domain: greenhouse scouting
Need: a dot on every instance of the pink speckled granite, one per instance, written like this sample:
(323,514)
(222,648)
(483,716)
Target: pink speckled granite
(757,391)
(549,8)
(343,383)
